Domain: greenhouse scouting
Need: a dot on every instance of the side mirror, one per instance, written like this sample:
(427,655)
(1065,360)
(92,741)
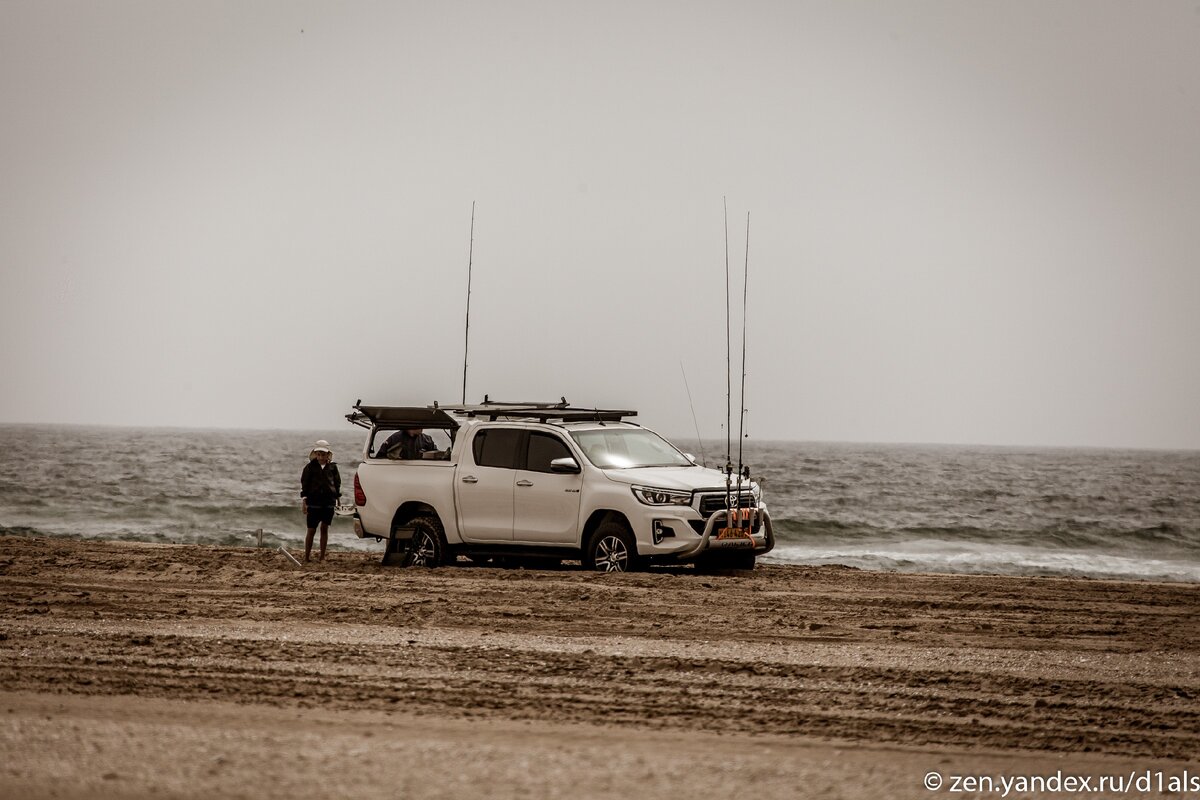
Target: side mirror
(690,458)
(567,466)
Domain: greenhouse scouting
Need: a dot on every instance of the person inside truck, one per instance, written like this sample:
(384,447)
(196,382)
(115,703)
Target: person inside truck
(407,444)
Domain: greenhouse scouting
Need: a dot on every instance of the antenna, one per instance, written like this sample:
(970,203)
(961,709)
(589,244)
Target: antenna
(467,332)
(695,421)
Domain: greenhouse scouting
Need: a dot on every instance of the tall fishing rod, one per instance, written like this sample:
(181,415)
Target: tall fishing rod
(728,354)
(467,331)
(728,374)
(742,392)
(745,294)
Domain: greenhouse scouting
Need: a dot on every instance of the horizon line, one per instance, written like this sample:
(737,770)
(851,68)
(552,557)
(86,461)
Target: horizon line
(685,437)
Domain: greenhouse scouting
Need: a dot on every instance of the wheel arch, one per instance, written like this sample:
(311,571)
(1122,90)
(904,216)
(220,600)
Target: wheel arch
(411,510)
(598,518)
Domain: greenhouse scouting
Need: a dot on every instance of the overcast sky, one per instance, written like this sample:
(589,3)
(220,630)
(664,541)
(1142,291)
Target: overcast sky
(970,222)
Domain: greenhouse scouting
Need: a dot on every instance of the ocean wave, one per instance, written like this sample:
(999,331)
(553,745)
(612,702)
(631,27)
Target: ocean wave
(1026,562)
(238,538)
(1070,534)
(20,530)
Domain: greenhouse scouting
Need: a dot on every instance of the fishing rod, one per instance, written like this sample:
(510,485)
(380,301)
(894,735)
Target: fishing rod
(728,372)
(745,294)
(742,393)
(467,331)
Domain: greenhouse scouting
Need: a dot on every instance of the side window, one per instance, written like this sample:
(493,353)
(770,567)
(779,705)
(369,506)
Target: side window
(442,440)
(544,448)
(496,448)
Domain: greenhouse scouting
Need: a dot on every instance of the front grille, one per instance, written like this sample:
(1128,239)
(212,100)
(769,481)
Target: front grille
(698,525)
(711,503)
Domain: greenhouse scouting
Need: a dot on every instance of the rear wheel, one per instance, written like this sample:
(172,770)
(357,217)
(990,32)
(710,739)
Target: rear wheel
(428,545)
(610,549)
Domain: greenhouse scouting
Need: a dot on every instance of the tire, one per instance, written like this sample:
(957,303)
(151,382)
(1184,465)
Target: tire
(611,549)
(428,546)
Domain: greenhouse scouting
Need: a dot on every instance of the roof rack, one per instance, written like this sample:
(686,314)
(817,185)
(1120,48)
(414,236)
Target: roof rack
(437,416)
(564,414)
(561,410)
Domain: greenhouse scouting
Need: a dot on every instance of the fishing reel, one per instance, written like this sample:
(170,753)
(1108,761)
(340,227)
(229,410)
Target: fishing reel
(738,518)
(743,475)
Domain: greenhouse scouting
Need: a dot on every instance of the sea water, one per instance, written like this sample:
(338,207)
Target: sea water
(918,508)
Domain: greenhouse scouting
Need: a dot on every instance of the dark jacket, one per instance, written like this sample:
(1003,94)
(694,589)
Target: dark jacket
(402,445)
(320,487)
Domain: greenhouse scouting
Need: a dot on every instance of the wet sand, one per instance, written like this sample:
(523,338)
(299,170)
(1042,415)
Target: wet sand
(132,670)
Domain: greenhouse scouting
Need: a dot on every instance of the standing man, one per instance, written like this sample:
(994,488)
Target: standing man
(320,488)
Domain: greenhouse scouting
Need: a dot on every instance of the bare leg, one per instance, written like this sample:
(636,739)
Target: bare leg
(324,539)
(308,540)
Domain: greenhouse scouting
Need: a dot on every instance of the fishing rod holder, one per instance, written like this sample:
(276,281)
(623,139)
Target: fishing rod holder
(722,518)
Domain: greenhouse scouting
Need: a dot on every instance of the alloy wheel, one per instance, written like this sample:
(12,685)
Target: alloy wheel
(612,555)
(424,550)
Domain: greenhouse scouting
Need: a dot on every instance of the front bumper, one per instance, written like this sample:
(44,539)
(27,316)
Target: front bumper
(683,543)
(760,543)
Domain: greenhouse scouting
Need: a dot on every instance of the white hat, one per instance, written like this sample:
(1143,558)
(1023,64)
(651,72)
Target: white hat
(321,445)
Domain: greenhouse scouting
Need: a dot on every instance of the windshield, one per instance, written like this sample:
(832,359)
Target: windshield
(625,448)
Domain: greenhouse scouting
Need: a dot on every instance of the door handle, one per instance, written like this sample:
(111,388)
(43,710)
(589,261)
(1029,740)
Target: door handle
(470,479)
(524,483)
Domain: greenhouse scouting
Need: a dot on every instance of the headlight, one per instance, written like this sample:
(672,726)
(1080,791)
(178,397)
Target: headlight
(662,497)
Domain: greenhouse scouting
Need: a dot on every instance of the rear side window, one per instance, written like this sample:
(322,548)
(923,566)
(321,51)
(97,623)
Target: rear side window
(544,448)
(496,448)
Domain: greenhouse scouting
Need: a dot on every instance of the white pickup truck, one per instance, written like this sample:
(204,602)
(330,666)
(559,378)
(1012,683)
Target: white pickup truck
(522,480)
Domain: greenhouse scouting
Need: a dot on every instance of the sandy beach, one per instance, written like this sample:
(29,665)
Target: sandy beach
(133,670)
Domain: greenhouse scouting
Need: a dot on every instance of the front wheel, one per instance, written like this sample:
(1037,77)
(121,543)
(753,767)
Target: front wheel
(610,549)
(428,545)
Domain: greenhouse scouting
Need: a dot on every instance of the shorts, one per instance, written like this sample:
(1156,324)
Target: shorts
(319,514)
